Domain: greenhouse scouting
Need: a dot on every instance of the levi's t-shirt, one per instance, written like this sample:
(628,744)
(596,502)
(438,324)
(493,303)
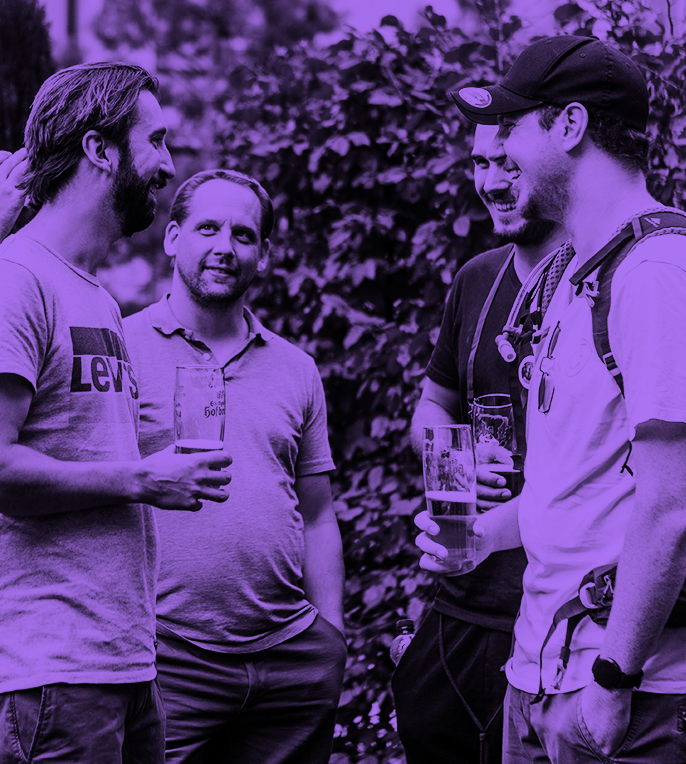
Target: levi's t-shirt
(77,602)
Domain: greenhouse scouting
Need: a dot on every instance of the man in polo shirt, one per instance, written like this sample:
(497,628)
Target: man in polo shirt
(249,606)
(573,113)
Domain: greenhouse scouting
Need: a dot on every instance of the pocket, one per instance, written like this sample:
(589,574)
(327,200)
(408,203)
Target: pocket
(328,626)
(627,739)
(28,711)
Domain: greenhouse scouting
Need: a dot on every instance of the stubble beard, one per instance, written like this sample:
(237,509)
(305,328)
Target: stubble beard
(214,300)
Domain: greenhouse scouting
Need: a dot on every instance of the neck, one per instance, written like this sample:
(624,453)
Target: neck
(527,256)
(78,229)
(600,202)
(213,323)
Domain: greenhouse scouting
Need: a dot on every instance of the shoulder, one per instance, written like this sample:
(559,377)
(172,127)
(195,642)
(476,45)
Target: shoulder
(484,267)
(660,252)
(288,352)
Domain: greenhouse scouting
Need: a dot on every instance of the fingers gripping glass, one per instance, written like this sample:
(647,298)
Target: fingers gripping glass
(546,387)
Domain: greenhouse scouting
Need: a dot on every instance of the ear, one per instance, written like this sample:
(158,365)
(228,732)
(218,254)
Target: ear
(171,238)
(263,262)
(573,122)
(100,151)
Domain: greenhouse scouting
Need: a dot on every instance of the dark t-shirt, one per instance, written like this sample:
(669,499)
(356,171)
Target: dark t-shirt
(490,595)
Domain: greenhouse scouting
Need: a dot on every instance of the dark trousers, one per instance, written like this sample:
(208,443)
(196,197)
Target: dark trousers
(83,724)
(449,692)
(275,706)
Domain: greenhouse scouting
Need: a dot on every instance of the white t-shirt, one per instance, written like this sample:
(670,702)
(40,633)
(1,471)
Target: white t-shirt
(576,501)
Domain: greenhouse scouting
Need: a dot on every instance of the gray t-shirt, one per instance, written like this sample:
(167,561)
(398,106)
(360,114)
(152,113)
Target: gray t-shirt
(77,602)
(231,574)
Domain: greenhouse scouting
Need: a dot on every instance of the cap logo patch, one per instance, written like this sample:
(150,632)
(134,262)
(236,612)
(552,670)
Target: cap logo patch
(476,97)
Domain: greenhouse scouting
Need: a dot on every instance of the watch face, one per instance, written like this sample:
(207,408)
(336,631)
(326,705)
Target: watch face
(607,673)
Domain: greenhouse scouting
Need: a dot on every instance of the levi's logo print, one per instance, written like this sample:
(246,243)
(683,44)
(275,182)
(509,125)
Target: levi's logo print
(101,363)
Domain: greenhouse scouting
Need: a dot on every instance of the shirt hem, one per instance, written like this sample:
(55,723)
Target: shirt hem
(109,677)
(299,624)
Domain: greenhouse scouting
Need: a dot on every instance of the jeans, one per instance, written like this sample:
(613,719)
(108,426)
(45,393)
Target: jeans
(274,706)
(83,724)
(435,724)
(554,732)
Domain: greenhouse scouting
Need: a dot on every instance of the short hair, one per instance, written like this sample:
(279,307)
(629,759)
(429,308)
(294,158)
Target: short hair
(609,134)
(101,96)
(179,208)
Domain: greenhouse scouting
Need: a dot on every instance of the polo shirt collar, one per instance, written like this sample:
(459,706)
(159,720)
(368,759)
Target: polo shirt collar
(164,320)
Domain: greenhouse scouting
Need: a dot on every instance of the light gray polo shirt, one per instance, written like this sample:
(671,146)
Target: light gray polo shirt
(231,574)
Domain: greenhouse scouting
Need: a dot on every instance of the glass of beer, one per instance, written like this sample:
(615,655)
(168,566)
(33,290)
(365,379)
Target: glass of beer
(199,409)
(495,438)
(450,488)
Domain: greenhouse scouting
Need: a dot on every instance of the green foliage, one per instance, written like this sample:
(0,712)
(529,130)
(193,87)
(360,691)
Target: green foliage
(25,63)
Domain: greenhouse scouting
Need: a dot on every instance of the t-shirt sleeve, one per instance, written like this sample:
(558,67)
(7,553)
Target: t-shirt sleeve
(442,368)
(314,453)
(23,323)
(647,331)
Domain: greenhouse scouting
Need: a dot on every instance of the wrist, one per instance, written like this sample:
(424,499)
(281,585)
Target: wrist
(609,675)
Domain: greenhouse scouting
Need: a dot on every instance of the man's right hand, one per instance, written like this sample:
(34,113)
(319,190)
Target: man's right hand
(181,481)
(435,557)
(490,486)
(12,168)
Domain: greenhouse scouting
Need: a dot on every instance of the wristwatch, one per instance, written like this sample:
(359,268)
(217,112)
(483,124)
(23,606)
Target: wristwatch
(607,674)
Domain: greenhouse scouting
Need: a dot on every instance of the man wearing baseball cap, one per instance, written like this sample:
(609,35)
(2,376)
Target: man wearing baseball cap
(605,479)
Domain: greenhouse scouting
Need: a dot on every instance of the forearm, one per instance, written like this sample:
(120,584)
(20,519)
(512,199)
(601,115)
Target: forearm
(427,414)
(323,570)
(32,483)
(501,526)
(650,574)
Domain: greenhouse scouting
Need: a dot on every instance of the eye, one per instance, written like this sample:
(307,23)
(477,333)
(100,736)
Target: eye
(482,164)
(207,228)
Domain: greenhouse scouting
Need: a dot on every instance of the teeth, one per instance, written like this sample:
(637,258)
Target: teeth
(504,207)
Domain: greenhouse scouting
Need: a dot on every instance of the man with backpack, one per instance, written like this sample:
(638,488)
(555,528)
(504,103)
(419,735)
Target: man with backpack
(605,479)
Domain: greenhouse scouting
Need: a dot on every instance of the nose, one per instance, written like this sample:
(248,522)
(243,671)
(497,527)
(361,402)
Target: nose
(223,241)
(167,165)
(497,178)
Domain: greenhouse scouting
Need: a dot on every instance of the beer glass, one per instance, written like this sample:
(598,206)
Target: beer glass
(495,438)
(450,488)
(198,409)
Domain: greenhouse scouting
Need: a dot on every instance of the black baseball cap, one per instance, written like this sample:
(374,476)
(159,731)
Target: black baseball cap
(559,71)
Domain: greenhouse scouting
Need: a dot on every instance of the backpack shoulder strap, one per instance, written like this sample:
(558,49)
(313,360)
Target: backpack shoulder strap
(607,260)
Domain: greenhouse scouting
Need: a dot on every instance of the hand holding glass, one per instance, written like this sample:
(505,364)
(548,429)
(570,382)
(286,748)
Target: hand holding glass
(199,409)
(450,489)
(495,438)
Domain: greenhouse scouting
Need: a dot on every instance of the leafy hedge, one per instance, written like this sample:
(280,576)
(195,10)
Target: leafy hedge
(368,165)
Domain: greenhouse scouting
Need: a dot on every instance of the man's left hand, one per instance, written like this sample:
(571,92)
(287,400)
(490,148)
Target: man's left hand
(607,714)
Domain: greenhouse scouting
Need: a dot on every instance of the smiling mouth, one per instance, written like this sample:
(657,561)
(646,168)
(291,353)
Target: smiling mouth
(505,206)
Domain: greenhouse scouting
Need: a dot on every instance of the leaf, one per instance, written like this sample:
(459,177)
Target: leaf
(404,506)
(461,225)
(359,139)
(390,21)
(375,477)
(392,176)
(374,595)
(340,145)
(385,98)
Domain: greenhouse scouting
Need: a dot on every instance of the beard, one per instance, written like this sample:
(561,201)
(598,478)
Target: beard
(530,231)
(542,212)
(220,296)
(133,207)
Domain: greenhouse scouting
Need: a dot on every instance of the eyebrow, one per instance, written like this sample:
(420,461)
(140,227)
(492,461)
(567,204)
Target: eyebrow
(478,156)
